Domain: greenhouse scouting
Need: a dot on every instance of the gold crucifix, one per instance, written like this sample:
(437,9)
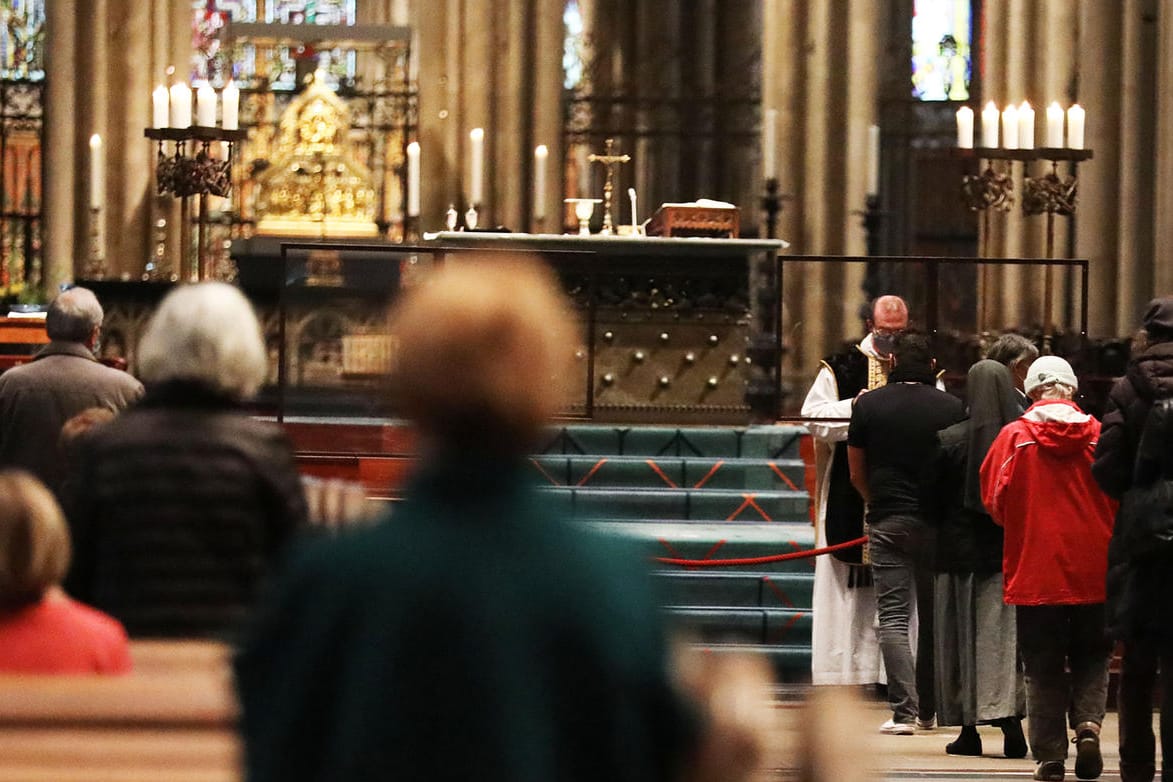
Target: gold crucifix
(610,160)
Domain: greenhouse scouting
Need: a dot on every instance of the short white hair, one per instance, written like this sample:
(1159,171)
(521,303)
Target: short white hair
(205,332)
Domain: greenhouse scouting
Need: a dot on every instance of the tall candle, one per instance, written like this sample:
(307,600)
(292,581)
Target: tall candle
(541,155)
(476,138)
(1026,126)
(413,179)
(180,105)
(206,106)
(770,144)
(1010,127)
(161,105)
(1054,125)
(1075,123)
(97,178)
(582,158)
(990,126)
(873,160)
(230,106)
(965,127)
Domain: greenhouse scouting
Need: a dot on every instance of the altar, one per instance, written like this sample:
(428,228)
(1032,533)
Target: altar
(680,330)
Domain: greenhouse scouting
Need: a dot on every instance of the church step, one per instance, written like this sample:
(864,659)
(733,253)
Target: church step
(761,442)
(791,662)
(684,587)
(671,472)
(770,626)
(685,504)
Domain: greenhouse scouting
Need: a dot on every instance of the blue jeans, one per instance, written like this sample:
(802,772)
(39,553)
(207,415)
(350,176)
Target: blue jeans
(901,551)
(1065,652)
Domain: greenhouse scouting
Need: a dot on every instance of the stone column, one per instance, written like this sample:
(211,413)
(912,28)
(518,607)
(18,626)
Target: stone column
(1163,234)
(59,185)
(546,109)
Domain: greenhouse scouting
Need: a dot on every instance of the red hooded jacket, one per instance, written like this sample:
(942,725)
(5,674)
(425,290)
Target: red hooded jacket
(1037,483)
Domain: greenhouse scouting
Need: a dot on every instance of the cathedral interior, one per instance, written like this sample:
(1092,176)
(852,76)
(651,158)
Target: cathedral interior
(830,125)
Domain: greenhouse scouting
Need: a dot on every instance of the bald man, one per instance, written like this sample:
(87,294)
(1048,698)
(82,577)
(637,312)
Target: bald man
(845,649)
(63,379)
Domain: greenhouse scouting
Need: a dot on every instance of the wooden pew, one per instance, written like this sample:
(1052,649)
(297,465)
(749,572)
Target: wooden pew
(20,338)
(173,719)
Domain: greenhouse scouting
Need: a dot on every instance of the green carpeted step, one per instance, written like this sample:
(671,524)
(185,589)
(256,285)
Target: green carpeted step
(744,473)
(761,442)
(742,625)
(693,587)
(670,472)
(685,504)
(720,542)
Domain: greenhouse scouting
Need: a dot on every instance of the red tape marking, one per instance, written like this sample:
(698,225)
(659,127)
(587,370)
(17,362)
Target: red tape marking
(592,472)
(540,469)
(656,469)
(785,478)
(709,474)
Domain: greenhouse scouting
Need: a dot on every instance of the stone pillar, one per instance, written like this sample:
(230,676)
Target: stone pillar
(1163,234)
(59,186)
(546,108)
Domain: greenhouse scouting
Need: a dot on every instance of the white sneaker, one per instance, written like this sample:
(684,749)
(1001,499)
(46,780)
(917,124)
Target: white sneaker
(893,728)
(929,724)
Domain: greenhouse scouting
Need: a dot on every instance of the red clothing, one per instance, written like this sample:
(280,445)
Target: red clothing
(61,635)
(1037,483)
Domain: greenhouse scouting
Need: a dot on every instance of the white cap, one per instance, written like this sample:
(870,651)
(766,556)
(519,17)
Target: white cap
(1049,369)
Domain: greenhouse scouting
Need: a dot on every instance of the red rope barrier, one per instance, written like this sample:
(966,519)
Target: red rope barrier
(760,560)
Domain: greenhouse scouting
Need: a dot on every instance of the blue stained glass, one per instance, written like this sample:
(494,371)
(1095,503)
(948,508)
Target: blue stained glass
(573,44)
(942,49)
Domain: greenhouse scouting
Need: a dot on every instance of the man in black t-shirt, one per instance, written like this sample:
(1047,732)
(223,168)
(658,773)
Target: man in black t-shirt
(893,433)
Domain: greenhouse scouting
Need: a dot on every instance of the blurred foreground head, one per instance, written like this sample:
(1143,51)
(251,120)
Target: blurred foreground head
(34,540)
(483,354)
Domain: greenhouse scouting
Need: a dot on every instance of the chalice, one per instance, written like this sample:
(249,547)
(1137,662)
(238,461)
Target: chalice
(584,208)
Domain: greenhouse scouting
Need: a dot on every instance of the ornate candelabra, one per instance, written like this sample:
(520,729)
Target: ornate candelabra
(193,170)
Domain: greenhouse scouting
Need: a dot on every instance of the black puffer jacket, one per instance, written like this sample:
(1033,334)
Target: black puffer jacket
(967,541)
(1149,377)
(178,508)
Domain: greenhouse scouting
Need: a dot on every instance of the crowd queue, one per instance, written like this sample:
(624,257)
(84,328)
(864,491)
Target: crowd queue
(1012,542)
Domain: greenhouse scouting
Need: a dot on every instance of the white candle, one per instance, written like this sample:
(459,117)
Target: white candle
(582,156)
(97,180)
(180,105)
(965,127)
(476,138)
(1010,127)
(770,144)
(230,106)
(1075,123)
(413,179)
(1026,126)
(161,103)
(541,155)
(206,106)
(990,126)
(873,160)
(1054,125)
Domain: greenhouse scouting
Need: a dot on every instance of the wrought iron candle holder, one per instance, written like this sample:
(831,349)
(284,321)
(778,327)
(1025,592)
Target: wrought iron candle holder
(772,205)
(192,170)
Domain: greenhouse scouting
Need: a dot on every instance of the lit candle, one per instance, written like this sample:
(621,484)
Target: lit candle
(230,106)
(1010,127)
(1054,125)
(873,160)
(476,138)
(990,126)
(1026,126)
(206,106)
(161,102)
(965,127)
(97,184)
(770,145)
(180,105)
(1075,122)
(413,179)
(541,154)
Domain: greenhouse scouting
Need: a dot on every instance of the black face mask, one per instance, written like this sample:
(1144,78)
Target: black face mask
(883,343)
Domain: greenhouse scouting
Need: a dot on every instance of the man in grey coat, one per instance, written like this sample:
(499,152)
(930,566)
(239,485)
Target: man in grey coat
(62,380)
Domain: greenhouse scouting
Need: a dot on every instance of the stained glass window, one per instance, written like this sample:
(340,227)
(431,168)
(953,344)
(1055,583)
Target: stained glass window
(572,47)
(22,39)
(277,68)
(942,49)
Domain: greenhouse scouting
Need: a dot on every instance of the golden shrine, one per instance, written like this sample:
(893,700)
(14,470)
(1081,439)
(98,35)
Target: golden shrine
(315,186)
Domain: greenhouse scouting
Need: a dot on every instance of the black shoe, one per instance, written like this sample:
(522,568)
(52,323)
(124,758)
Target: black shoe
(1013,742)
(1050,771)
(968,743)
(1089,763)
(1137,772)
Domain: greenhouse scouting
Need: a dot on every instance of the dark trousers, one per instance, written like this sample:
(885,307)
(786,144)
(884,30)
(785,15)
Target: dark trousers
(1138,677)
(1053,640)
(901,548)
